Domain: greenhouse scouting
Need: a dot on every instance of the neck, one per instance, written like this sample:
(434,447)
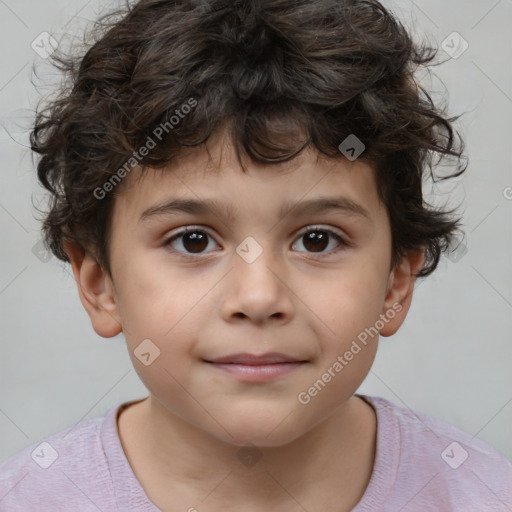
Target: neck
(171,458)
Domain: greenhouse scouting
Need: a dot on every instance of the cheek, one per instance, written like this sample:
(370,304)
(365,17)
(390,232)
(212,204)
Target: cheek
(351,299)
(155,300)
(349,305)
(163,315)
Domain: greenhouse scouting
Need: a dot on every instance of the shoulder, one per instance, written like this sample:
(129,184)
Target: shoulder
(440,464)
(66,468)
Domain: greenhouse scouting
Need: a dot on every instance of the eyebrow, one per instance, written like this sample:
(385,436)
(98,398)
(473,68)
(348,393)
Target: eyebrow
(206,206)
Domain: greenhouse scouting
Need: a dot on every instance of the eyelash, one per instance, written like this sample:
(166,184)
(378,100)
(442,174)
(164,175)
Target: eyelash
(194,229)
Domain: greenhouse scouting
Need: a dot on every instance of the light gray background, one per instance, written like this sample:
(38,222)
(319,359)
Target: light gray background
(452,357)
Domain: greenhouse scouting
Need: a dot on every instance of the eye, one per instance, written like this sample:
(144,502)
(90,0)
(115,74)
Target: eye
(192,239)
(316,240)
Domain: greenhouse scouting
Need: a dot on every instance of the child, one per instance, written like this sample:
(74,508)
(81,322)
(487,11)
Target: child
(251,130)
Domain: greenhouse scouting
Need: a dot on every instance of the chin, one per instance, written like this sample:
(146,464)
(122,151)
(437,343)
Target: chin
(264,434)
(260,440)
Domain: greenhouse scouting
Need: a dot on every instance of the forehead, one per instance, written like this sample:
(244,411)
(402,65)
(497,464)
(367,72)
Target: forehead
(213,175)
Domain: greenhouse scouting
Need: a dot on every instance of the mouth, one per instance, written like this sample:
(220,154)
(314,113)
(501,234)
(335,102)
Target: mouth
(253,367)
(255,359)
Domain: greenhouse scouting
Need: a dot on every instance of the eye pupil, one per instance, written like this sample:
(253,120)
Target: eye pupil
(195,240)
(318,239)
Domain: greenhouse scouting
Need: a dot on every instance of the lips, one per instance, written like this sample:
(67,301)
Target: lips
(255,359)
(257,368)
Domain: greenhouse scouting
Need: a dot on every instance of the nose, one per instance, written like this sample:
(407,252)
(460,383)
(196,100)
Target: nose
(257,291)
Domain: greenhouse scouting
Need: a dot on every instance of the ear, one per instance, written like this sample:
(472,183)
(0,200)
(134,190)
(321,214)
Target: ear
(399,292)
(96,290)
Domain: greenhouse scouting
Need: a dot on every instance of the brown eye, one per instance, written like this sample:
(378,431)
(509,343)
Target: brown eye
(318,240)
(193,242)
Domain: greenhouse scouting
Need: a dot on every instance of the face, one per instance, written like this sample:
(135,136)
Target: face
(251,276)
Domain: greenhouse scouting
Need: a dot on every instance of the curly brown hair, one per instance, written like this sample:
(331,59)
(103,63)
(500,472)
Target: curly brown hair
(280,74)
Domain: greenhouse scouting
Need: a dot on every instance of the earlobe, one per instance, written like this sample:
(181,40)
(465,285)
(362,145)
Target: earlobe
(399,293)
(95,289)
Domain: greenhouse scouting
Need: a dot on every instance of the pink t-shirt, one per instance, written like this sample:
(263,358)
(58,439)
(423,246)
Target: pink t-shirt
(422,464)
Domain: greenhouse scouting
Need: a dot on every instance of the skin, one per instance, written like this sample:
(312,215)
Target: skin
(182,441)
